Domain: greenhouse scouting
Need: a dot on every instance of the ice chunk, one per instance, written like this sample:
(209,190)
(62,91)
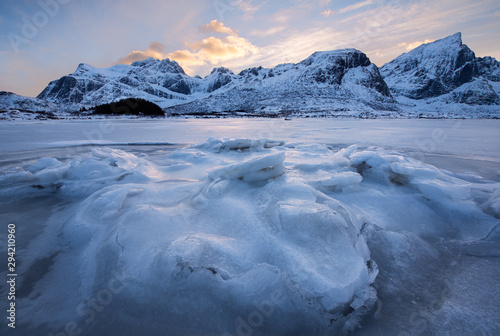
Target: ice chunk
(493,203)
(346,152)
(52,173)
(437,188)
(126,161)
(216,145)
(43,163)
(15,175)
(342,180)
(108,203)
(258,169)
(49,170)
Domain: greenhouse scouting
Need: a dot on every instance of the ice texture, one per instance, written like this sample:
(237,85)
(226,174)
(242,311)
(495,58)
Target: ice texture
(237,236)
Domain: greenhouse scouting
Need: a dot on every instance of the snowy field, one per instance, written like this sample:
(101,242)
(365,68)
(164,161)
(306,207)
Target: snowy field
(253,226)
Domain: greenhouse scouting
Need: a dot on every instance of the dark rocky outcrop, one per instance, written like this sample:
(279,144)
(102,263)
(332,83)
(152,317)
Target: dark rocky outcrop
(488,67)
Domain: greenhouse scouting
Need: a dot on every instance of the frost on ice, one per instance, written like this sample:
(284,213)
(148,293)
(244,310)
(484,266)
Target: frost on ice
(205,237)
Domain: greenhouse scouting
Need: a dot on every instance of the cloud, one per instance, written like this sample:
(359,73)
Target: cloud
(356,6)
(327,12)
(186,57)
(214,50)
(267,32)
(208,51)
(155,50)
(215,26)
(247,6)
(382,30)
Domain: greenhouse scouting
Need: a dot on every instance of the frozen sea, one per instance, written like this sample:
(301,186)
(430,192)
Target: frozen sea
(253,226)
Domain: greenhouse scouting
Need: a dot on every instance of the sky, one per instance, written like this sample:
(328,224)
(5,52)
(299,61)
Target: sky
(43,40)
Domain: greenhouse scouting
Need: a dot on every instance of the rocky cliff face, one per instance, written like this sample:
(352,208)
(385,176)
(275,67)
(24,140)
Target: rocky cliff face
(477,92)
(488,67)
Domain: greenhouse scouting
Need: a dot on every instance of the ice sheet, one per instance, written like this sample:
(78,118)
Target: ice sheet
(233,235)
(307,233)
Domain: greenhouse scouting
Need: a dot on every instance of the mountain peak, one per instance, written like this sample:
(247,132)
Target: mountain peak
(432,69)
(145,62)
(447,44)
(221,70)
(453,39)
(350,58)
(83,67)
(164,65)
(336,52)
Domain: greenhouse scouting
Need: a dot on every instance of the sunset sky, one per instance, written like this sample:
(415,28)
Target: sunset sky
(44,40)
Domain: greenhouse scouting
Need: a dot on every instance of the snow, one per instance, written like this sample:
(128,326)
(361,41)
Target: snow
(309,232)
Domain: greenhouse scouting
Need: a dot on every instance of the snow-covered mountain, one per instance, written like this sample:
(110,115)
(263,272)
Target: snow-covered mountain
(12,101)
(446,68)
(344,78)
(154,80)
(431,78)
(325,81)
(15,107)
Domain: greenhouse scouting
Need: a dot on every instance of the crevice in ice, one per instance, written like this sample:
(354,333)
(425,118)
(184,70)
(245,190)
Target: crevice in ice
(211,269)
(186,269)
(398,179)
(362,167)
(118,241)
(494,231)
(122,177)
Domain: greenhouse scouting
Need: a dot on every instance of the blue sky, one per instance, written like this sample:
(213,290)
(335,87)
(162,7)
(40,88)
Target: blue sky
(43,40)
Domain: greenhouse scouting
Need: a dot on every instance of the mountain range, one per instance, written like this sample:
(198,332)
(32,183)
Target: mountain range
(439,73)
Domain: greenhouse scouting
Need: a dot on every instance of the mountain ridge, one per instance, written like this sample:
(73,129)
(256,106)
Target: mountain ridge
(165,83)
(444,71)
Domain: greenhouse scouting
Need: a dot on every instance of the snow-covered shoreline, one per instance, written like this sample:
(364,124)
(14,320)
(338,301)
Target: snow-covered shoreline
(409,109)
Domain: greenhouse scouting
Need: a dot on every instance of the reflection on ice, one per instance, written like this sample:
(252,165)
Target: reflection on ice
(245,236)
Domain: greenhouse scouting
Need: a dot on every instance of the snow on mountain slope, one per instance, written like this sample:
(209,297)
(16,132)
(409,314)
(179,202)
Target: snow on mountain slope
(12,101)
(323,76)
(343,82)
(438,68)
(325,81)
(15,107)
(477,92)
(163,82)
